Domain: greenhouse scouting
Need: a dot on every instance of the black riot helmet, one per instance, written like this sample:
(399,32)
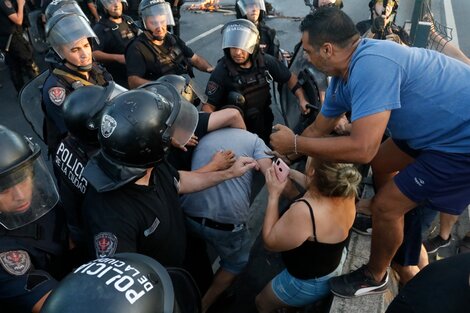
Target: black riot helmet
(57,7)
(23,172)
(241,34)
(103,7)
(82,111)
(137,126)
(136,130)
(125,283)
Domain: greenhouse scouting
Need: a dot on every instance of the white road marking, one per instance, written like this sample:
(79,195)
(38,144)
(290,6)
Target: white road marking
(204,34)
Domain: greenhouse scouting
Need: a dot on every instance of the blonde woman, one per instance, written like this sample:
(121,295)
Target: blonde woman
(311,235)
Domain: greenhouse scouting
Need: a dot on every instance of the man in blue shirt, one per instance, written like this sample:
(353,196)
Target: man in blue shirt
(421,97)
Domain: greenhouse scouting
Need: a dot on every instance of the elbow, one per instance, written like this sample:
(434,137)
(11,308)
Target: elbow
(269,244)
(366,154)
(270,247)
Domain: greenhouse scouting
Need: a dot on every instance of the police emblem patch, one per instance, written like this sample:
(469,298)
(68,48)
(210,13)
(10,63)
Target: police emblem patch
(15,262)
(108,124)
(105,245)
(57,95)
(211,88)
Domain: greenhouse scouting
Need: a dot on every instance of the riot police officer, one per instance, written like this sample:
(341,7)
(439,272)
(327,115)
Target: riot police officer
(255,11)
(248,71)
(133,203)
(18,51)
(31,241)
(69,36)
(82,111)
(115,31)
(156,52)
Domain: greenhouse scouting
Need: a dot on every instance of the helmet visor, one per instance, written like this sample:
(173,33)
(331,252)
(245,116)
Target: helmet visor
(26,194)
(183,127)
(67,7)
(246,6)
(158,14)
(239,36)
(67,30)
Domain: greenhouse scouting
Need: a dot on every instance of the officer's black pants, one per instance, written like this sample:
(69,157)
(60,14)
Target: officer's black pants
(19,59)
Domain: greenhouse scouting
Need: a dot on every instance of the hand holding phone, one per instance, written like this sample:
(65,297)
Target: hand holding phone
(281,169)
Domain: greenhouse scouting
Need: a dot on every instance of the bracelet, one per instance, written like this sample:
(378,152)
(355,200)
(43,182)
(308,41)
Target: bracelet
(295,144)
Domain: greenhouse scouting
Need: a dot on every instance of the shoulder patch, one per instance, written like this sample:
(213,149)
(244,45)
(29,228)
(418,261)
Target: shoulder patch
(15,262)
(57,95)
(8,4)
(105,244)
(212,88)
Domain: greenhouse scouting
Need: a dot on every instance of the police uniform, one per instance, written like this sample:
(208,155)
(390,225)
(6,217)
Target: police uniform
(57,86)
(136,218)
(149,61)
(19,56)
(69,160)
(253,84)
(113,39)
(267,41)
(30,262)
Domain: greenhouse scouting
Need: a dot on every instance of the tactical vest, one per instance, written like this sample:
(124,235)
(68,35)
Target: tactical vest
(167,58)
(255,87)
(113,29)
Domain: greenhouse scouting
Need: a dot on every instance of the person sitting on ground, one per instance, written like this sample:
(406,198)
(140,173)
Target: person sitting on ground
(311,235)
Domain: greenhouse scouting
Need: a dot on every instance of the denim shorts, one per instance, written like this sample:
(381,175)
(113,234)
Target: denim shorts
(437,180)
(298,292)
(233,247)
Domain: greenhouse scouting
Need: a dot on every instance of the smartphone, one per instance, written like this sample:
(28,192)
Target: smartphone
(281,169)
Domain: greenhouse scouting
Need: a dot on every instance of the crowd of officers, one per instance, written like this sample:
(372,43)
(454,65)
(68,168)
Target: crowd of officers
(120,124)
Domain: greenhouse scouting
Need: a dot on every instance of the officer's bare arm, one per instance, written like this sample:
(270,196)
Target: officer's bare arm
(201,64)
(298,92)
(104,57)
(193,181)
(136,81)
(225,118)
(17,17)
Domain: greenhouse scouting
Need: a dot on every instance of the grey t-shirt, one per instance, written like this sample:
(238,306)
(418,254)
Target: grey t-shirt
(229,201)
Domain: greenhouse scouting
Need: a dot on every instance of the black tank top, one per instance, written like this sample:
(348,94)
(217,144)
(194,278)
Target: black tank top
(313,259)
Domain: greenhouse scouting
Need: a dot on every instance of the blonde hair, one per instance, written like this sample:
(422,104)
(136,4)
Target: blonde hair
(334,179)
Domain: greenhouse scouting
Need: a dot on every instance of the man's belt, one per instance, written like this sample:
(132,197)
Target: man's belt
(216,225)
